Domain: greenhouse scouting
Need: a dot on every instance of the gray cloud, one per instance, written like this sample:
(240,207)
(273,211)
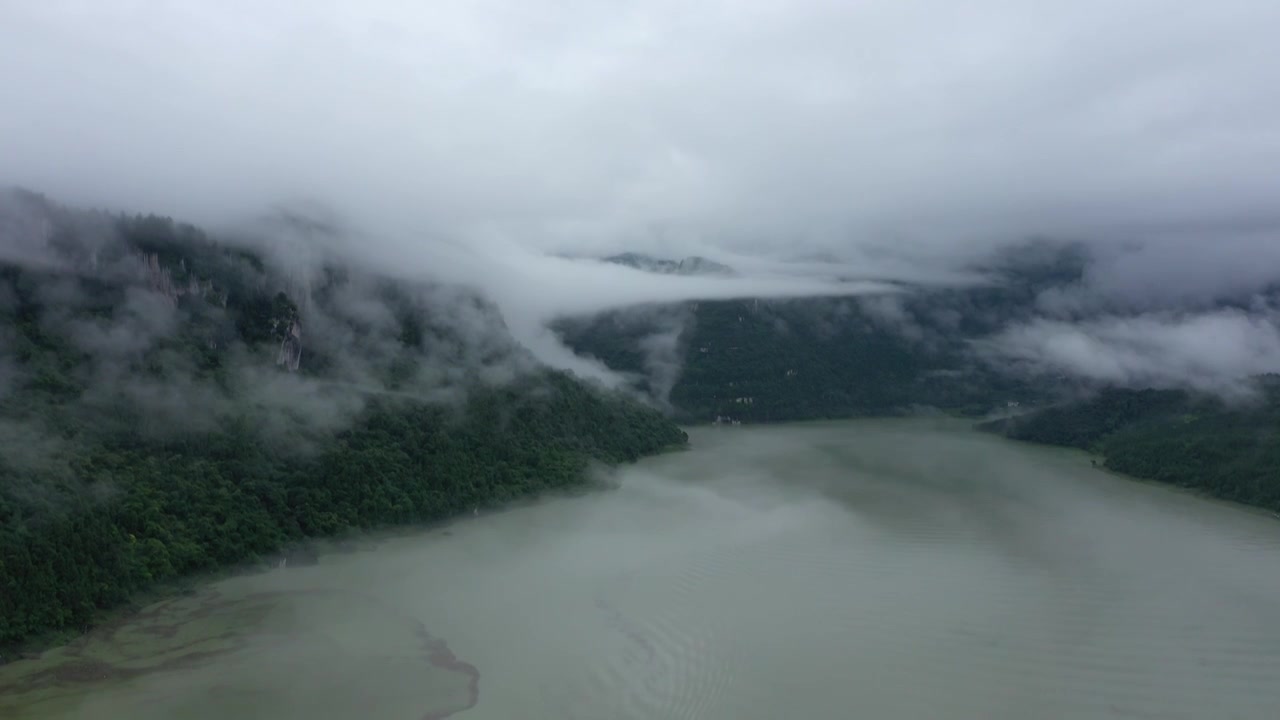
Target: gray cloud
(888,312)
(134,327)
(565,124)
(664,359)
(1211,351)
(1179,273)
(24,232)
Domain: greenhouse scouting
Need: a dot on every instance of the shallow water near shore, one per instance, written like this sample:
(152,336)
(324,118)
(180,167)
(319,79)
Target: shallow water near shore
(881,569)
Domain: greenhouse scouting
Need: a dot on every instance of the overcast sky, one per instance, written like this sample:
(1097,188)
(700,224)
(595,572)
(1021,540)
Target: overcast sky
(729,128)
(571,124)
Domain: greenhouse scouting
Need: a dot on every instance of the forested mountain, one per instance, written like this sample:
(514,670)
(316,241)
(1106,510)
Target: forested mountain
(170,404)
(769,360)
(1228,449)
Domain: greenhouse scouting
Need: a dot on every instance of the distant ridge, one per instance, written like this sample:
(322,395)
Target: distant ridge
(692,265)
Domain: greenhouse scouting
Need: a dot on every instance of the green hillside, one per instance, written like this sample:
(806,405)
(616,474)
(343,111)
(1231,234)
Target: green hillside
(1230,450)
(170,405)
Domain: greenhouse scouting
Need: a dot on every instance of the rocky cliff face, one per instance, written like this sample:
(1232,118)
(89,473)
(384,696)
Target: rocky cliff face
(160,279)
(290,355)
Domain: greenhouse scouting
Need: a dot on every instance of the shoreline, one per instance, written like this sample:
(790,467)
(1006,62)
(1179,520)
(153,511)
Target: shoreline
(976,425)
(1099,464)
(306,550)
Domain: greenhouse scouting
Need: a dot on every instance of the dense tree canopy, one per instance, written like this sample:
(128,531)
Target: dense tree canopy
(1231,450)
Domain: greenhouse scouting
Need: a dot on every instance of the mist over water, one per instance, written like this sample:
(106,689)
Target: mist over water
(895,569)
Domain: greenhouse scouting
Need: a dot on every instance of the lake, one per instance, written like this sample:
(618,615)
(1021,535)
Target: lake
(872,569)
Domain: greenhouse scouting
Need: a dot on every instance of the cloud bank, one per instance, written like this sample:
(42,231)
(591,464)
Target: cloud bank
(1213,352)
(483,141)
(569,124)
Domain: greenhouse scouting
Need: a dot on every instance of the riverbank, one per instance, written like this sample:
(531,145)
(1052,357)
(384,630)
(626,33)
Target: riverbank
(32,648)
(1226,451)
(584,474)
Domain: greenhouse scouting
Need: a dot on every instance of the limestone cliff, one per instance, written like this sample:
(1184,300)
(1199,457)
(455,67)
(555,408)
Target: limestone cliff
(290,355)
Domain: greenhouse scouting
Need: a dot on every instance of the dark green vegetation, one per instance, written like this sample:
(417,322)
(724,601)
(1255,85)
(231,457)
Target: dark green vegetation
(1231,451)
(171,405)
(814,358)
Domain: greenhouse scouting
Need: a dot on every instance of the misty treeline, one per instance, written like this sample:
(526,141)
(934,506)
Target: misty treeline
(771,360)
(170,404)
(1228,449)
(939,347)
